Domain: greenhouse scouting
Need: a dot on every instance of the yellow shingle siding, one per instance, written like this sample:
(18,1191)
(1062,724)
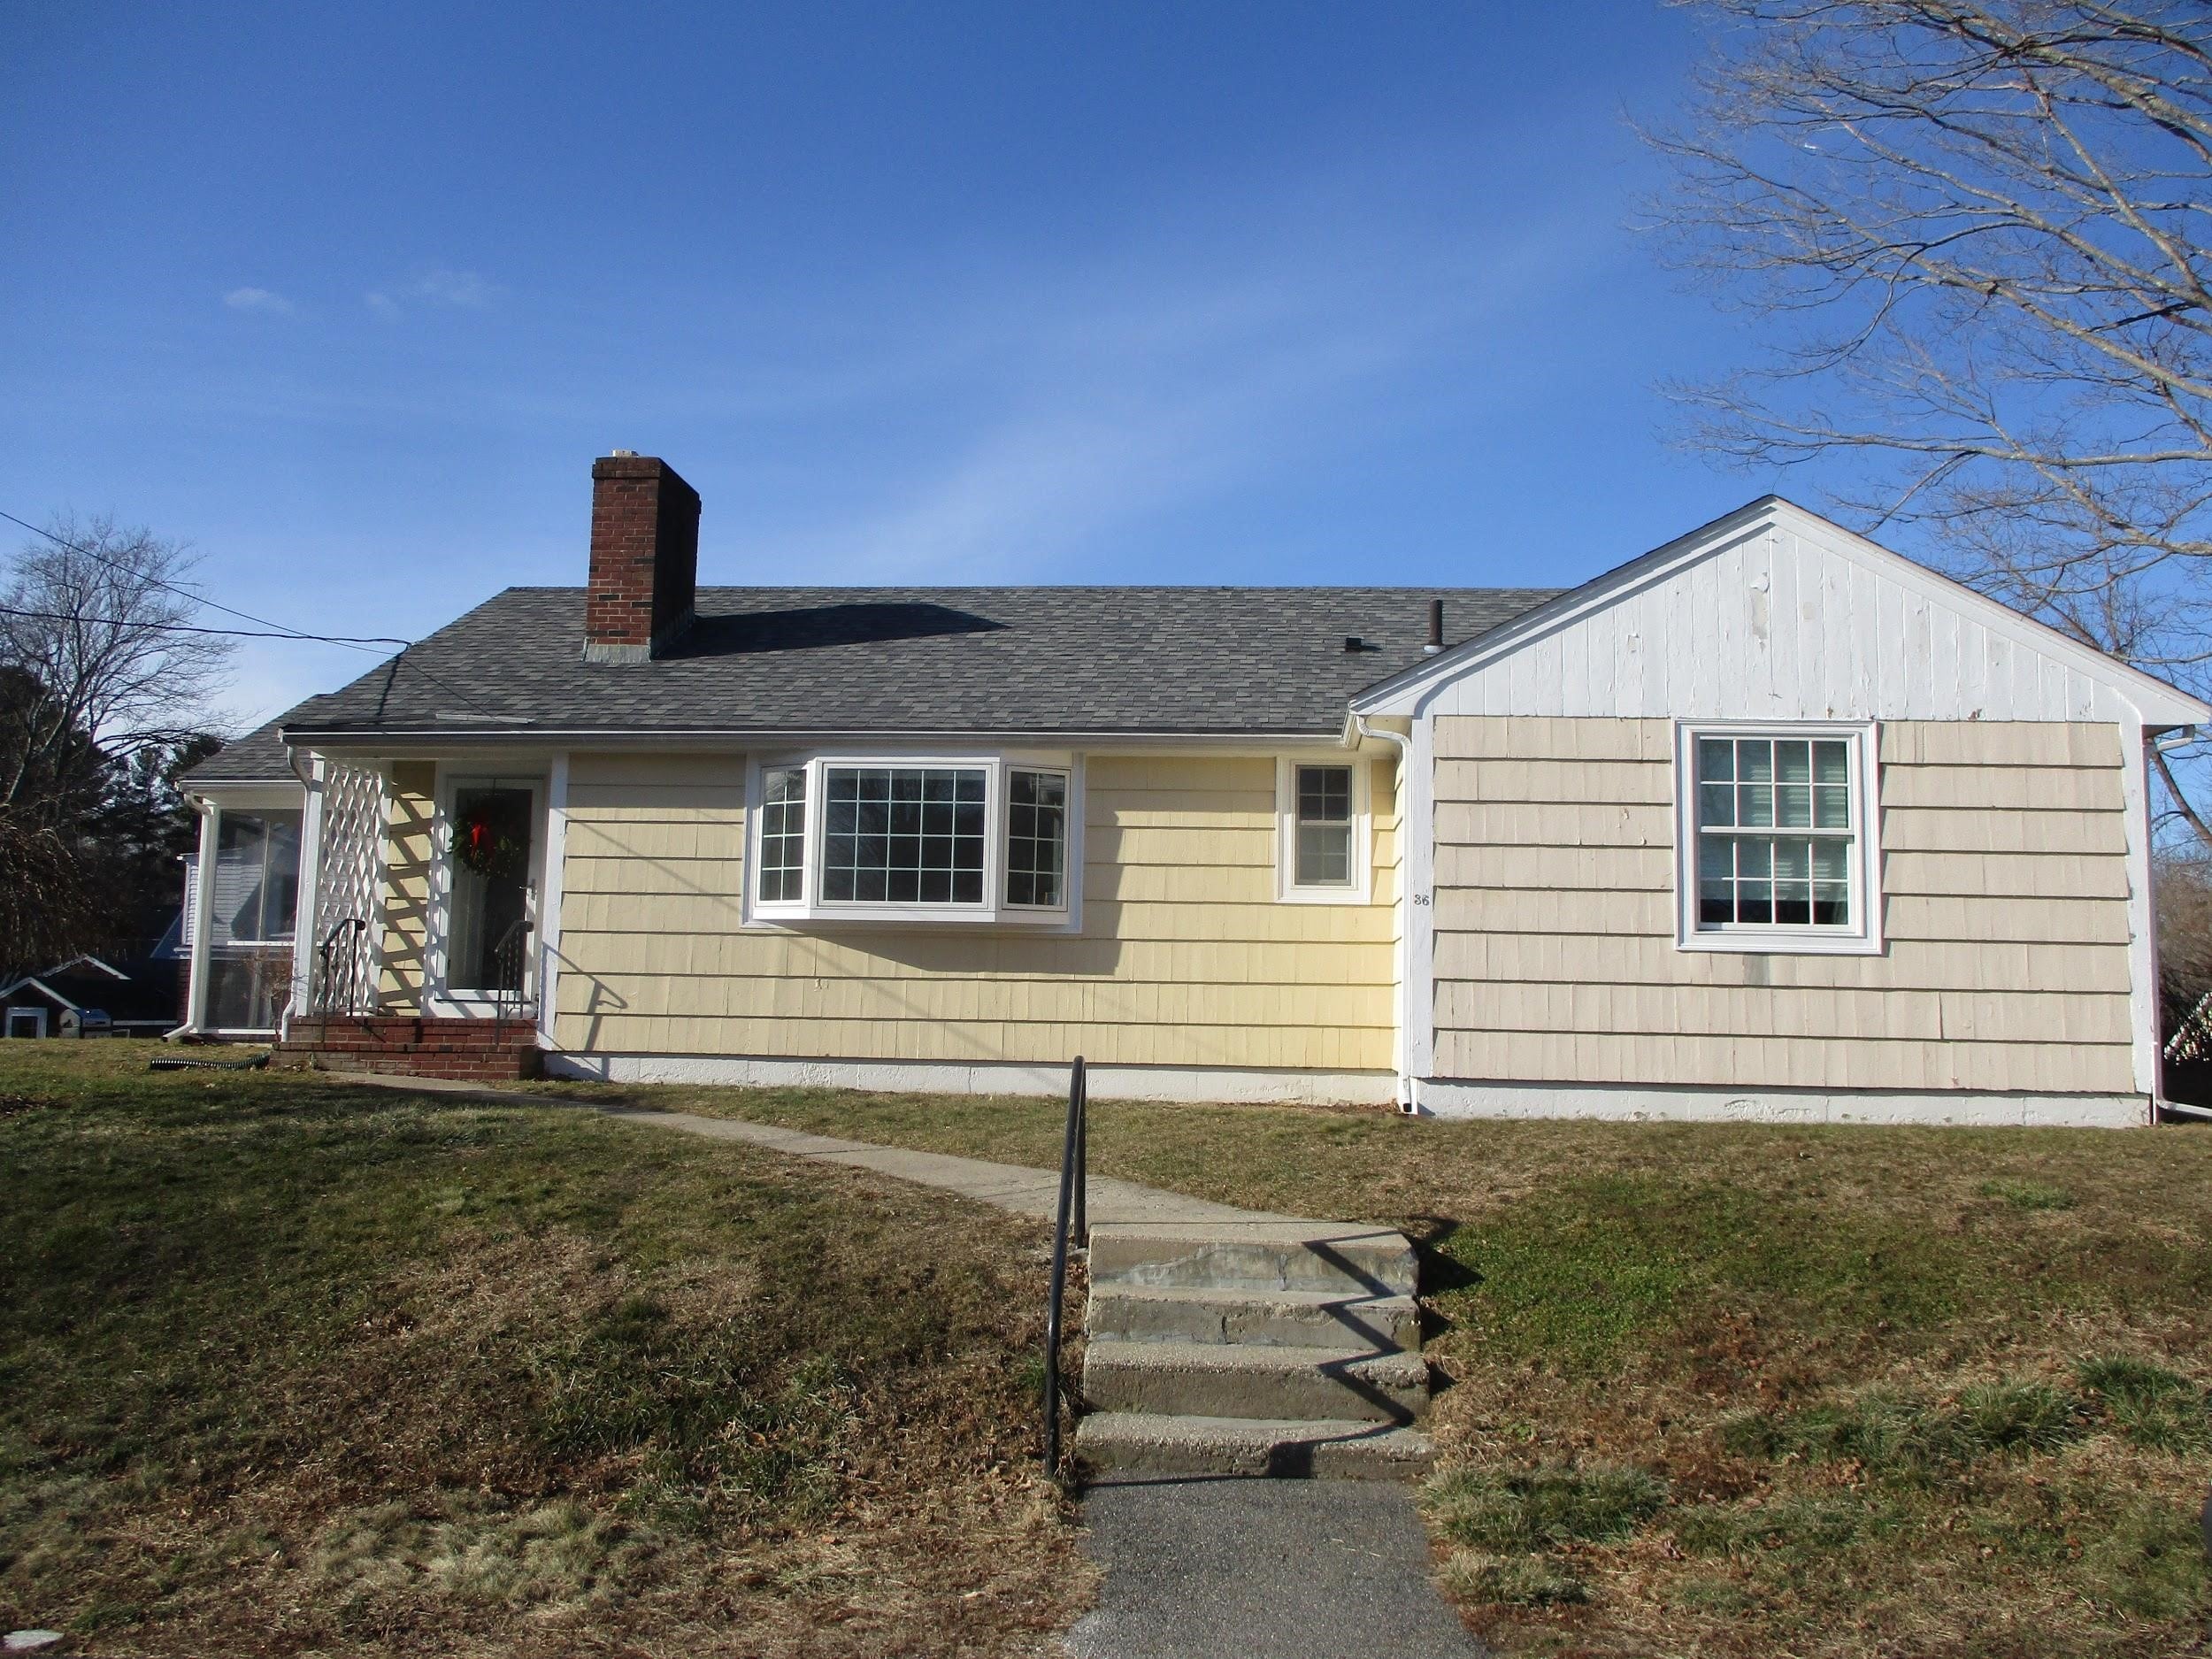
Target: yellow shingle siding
(2005,886)
(1185,959)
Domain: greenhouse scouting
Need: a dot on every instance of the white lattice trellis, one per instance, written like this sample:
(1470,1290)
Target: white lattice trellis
(348,862)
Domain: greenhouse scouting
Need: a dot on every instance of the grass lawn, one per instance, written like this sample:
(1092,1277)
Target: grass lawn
(1737,1390)
(290,1366)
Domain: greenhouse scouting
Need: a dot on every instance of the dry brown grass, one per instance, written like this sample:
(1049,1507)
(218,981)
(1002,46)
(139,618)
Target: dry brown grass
(291,1367)
(1655,1299)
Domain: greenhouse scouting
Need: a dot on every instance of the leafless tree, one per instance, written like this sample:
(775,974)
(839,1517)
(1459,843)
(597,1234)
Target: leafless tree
(96,640)
(97,669)
(1981,231)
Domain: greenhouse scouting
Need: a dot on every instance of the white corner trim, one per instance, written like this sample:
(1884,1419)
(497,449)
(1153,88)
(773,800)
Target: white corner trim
(210,812)
(307,920)
(1462,1098)
(2135,818)
(1362,890)
(550,891)
(1189,1085)
(1863,940)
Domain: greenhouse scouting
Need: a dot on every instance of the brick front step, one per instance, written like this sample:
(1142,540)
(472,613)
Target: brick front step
(489,1050)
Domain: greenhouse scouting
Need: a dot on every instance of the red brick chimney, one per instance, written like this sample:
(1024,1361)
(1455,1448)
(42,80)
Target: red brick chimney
(644,558)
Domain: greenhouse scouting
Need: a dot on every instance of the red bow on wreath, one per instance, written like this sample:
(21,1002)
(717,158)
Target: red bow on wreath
(489,844)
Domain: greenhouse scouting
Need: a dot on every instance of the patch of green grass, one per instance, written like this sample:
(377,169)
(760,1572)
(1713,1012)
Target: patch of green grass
(2149,1564)
(1512,1580)
(1551,1504)
(2152,1405)
(2023,1194)
(1896,1435)
(1815,1525)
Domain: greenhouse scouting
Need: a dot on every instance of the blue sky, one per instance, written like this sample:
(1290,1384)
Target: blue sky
(349,297)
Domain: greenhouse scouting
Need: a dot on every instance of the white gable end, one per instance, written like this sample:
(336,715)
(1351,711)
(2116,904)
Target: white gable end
(1775,613)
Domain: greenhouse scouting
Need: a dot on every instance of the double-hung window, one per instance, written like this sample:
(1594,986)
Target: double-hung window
(1321,841)
(1778,839)
(866,839)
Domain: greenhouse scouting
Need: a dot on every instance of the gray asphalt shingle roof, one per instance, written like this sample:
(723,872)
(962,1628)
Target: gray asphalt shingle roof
(898,660)
(256,757)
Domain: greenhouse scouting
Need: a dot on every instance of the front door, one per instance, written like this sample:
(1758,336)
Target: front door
(492,866)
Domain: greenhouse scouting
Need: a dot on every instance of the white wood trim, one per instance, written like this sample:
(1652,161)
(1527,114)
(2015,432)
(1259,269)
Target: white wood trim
(1362,890)
(2142,921)
(15,1010)
(307,912)
(2160,705)
(203,913)
(1864,939)
(555,865)
(1417,855)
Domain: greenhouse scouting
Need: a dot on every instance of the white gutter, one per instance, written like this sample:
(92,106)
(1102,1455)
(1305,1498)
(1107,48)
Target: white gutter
(1400,953)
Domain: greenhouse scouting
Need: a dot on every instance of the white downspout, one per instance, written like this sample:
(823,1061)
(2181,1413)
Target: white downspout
(1401,1040)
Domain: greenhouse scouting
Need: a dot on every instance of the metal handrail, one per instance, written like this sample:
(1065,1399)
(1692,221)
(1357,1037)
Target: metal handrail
(510,992)
(1075,1180)
(335,994)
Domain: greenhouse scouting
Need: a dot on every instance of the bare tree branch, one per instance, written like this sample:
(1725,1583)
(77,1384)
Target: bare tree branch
(1981,234)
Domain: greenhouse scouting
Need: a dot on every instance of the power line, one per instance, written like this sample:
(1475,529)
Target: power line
(186,627)
(281,631)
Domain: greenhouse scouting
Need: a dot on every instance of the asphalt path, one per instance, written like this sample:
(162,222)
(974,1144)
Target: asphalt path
(1202,1569)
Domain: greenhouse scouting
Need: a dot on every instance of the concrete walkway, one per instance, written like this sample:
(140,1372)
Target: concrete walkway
(1193,1569)
(1015,1186)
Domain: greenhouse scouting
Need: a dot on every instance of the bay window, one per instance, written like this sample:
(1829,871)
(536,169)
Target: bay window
(866,839)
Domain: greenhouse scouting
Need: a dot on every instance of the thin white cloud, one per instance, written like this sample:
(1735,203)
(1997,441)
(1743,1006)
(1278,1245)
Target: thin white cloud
(263,300)
(380,303)
(440,286)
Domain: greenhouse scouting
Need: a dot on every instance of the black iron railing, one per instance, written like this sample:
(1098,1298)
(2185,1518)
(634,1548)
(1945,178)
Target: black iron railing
(1072,1220)
(510,995)
(340,968)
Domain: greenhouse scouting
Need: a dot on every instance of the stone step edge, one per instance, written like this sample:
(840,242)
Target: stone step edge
(1119,1353)
(1143,1442)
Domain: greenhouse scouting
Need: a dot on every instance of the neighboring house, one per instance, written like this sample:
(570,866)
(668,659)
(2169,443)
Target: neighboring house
(1768,822)
(88,997)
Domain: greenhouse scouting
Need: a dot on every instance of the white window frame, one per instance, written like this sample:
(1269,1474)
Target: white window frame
(1864,937)
(1287,891)
(811,912)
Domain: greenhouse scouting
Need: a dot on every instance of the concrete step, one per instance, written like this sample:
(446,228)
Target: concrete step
(1215,1379)
(1291,1319)
(1137,1443)
(1346,1259)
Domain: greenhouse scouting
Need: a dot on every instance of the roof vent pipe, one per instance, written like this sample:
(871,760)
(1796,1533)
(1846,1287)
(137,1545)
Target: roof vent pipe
(1436,628)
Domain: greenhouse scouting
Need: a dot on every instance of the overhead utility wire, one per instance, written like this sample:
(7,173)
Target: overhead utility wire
(186,627)
(358,642)
(284,631)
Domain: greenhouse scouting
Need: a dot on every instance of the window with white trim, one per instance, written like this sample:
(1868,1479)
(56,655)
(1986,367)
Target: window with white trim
(782,834)
(1776,824)
(862,838)
(1322,853)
